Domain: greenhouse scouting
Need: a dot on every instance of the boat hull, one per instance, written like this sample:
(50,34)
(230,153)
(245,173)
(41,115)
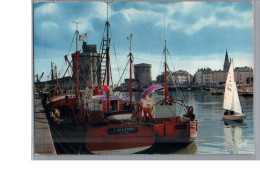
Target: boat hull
(120,138)
(234,117)
(174,130)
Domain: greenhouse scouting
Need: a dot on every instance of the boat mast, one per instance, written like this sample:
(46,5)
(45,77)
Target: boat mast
(52,76)
(76,64)
(165,68)
(107,56)
(131,63)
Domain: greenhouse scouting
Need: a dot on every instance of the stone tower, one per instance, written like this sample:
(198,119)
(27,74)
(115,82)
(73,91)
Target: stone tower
(226,67)
(89,62)
(143,74)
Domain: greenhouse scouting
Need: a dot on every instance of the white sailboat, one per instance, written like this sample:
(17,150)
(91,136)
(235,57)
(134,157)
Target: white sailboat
(231,100)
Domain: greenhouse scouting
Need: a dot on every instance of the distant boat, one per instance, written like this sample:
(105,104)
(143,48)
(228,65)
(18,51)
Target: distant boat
(231,101)
(248,92)
(215,91)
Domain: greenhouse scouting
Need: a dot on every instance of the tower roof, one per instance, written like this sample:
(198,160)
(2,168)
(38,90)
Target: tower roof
(226,63)
(226,57)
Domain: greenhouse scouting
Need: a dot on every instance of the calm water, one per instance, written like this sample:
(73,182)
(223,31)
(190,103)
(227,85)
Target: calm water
(214,137)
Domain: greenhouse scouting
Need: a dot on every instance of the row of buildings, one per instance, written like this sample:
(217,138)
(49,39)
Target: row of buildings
(90,73)
(204,77)
(214,78)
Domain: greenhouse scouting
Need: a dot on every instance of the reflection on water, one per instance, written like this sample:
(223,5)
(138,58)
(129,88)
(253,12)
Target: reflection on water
(214,135)
(233,136)
(169,148)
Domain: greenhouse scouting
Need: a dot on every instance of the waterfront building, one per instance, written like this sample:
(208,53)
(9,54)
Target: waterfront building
(127,82)
(207,77)
(198,77)
(217,78)
(180,77)
(244,76)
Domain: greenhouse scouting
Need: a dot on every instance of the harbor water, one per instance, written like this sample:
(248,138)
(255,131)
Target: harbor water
(214,135)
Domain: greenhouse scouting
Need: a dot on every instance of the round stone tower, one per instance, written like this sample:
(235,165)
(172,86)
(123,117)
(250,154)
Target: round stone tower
(143,74)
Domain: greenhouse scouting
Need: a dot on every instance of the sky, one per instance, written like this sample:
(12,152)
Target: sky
(197,33)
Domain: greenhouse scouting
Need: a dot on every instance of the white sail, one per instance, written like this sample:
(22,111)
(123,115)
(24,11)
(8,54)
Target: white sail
(236,107)
(231,99)
(228,96)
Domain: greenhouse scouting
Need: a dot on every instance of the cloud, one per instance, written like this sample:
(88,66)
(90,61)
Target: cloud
(203,14)
(47,25)
(189,25)
(201,23)
(46,8)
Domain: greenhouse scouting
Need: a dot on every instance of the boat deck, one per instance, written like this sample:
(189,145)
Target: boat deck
(43,144)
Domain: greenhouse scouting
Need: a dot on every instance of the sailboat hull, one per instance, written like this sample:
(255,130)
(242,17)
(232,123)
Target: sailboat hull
(234,117)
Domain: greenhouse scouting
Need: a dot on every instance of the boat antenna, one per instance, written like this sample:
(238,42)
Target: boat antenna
(164,27)
(107,2)
(77,33)
(131,63)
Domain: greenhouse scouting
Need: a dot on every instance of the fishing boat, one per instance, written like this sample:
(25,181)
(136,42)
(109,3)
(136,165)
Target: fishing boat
(113,128)
(95,119)
(169,127)
(231,102)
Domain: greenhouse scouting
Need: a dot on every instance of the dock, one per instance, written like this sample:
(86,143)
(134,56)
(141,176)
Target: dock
(43,144)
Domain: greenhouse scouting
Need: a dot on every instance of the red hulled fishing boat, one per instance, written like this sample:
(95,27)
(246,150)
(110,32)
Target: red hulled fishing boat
(168,126)
(95,119)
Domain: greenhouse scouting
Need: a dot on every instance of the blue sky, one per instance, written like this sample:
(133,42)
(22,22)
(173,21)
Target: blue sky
(197,33)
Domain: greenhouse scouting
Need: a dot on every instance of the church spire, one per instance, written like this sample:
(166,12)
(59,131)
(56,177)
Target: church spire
(226,63)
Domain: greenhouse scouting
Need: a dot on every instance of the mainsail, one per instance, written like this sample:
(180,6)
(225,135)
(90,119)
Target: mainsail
(231,99)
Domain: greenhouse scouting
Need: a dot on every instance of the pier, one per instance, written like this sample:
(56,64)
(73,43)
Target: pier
(43,144)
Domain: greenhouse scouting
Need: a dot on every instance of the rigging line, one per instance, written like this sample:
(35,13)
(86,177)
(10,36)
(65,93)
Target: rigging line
(123,72)
(161,62)
(111,77)
(180,110)
(177,79)
(180,92)
(71,43)
(102,39)
(136,85)
(64,140)
(62,67)
(115,52)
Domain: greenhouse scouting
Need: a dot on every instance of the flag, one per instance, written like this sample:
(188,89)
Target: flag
(36,75)
(83,36)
